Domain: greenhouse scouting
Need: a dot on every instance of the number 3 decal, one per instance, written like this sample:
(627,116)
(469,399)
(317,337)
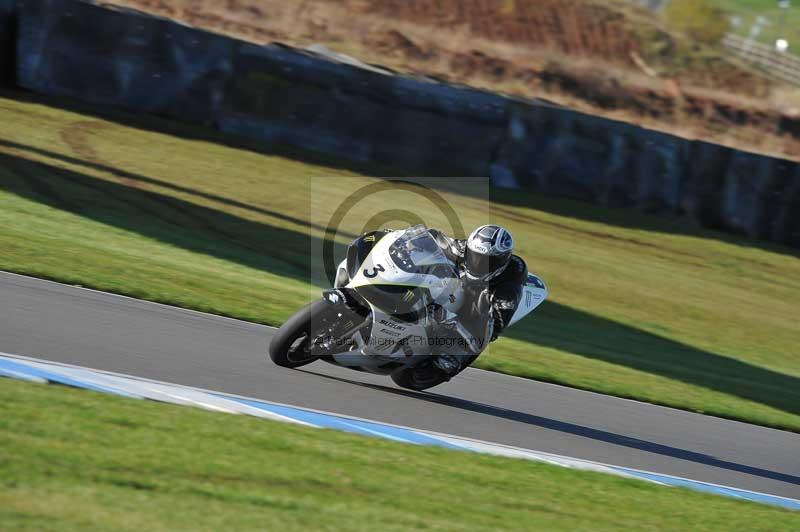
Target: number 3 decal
(375,270)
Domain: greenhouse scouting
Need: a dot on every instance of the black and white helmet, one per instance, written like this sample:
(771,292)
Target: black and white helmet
(487,253)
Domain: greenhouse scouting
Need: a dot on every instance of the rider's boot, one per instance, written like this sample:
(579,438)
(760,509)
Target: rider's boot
(459,345)
(448,365)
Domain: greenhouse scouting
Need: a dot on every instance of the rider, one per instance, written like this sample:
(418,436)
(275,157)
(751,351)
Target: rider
(493,278)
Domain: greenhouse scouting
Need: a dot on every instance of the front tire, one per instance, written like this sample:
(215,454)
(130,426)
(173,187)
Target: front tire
(291,345)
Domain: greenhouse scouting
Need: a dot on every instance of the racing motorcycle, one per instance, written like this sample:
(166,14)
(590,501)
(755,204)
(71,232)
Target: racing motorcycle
(378,316)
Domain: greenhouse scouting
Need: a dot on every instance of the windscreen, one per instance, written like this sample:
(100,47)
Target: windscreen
(415,251)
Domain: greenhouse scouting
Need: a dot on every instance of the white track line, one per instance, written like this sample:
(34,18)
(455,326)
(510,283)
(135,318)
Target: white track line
(465,443)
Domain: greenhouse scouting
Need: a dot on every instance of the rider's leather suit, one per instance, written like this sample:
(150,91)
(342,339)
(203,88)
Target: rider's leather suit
(488,308)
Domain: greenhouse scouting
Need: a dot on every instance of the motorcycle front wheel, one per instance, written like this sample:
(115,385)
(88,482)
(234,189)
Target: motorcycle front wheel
(291,347)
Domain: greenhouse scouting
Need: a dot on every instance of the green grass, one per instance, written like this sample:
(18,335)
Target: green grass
(783,23)
(76,460)
(640,307)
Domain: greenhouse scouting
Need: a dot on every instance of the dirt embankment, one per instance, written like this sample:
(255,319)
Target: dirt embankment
(588,54)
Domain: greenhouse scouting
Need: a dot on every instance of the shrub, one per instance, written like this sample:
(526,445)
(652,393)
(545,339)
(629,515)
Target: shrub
(698,19)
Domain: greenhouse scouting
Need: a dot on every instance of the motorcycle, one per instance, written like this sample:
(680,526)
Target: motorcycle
(378,316)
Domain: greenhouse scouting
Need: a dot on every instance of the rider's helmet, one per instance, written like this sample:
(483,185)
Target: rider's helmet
(487,252)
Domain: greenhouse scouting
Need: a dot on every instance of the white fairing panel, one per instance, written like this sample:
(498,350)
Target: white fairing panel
(341,275)
(380,269)
(424,267)
(386,331)
(533,294)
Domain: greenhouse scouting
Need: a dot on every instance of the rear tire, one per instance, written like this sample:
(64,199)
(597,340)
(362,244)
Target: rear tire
(419,378)
(290,347)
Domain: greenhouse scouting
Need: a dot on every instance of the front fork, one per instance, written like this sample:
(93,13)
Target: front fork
(345,321)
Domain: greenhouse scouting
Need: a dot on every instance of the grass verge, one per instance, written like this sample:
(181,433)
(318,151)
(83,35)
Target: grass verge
(640,307)
(782,22)
(77,460)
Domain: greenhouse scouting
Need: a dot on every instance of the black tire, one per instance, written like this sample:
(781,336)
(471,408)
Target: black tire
(289,347)
(419,378)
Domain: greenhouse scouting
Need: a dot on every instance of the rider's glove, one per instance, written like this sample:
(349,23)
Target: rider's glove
(488,304)
(436,313)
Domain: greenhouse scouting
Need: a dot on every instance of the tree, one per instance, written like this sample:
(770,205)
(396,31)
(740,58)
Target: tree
(699,19)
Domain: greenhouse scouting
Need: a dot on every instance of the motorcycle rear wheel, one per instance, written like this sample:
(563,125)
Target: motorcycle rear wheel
(291,345)
(418,378)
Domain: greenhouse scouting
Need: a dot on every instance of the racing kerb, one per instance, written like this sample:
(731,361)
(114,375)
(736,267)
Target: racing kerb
(40,371)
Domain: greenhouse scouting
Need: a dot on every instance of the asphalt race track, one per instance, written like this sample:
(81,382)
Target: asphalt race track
(67,324)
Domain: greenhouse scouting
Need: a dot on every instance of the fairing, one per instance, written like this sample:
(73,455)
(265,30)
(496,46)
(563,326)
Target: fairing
(533,294)
(403,273)
(398,274)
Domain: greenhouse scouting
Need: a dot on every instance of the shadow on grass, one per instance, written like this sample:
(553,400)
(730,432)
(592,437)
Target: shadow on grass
(206,132)
(625,218)
(165,184)
(575,429)
(574,331)
(165,218)
(285,252)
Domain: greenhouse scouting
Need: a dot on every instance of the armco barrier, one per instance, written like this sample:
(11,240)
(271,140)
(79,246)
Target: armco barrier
(292,97)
